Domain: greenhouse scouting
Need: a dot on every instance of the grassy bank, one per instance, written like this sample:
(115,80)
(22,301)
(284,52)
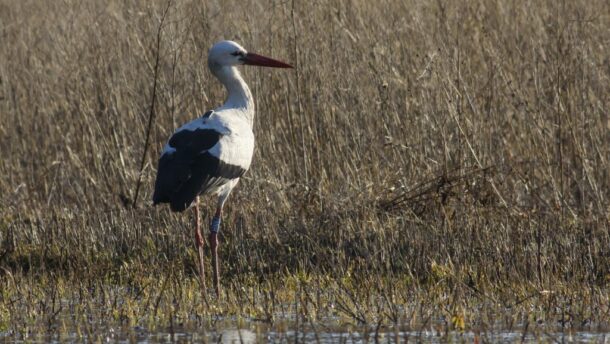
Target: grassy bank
(446,156)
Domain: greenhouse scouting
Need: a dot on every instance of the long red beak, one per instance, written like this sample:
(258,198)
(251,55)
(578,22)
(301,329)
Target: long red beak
(259,60)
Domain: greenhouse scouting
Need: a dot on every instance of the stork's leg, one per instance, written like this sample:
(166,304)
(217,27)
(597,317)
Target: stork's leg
(214,227)
(199,243)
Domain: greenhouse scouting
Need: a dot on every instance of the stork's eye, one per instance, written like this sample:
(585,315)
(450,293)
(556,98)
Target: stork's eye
(237,53)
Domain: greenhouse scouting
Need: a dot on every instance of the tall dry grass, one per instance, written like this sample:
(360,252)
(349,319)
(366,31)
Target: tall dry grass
(413,138)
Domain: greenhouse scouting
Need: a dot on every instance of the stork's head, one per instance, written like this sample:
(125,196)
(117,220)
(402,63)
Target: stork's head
(229,53)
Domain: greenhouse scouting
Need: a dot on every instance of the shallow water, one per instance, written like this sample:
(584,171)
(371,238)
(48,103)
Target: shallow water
(249,331)
(249,336)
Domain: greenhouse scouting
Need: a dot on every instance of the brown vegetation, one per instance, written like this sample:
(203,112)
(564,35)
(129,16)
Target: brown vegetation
(416,141)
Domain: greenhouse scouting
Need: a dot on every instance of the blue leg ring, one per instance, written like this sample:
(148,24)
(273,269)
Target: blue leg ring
(215,226)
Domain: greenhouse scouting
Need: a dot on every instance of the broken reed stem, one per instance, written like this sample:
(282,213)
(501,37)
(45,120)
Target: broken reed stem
(151,114)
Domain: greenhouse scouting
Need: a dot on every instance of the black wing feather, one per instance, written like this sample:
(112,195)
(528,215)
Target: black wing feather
(191,170)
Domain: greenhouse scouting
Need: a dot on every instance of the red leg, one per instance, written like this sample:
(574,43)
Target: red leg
(199,243)
(214,246)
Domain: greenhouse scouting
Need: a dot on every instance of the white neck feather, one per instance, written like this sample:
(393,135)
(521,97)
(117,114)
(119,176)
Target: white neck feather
(239,95)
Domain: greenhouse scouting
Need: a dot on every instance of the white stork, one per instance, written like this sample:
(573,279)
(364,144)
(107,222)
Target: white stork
(209,154)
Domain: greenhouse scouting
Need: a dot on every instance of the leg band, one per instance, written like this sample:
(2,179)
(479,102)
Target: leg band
(215,226)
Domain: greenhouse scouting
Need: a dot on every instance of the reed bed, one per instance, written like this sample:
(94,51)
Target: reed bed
(424,160)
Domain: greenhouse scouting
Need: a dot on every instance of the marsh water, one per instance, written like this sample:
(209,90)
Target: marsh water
(330,330)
